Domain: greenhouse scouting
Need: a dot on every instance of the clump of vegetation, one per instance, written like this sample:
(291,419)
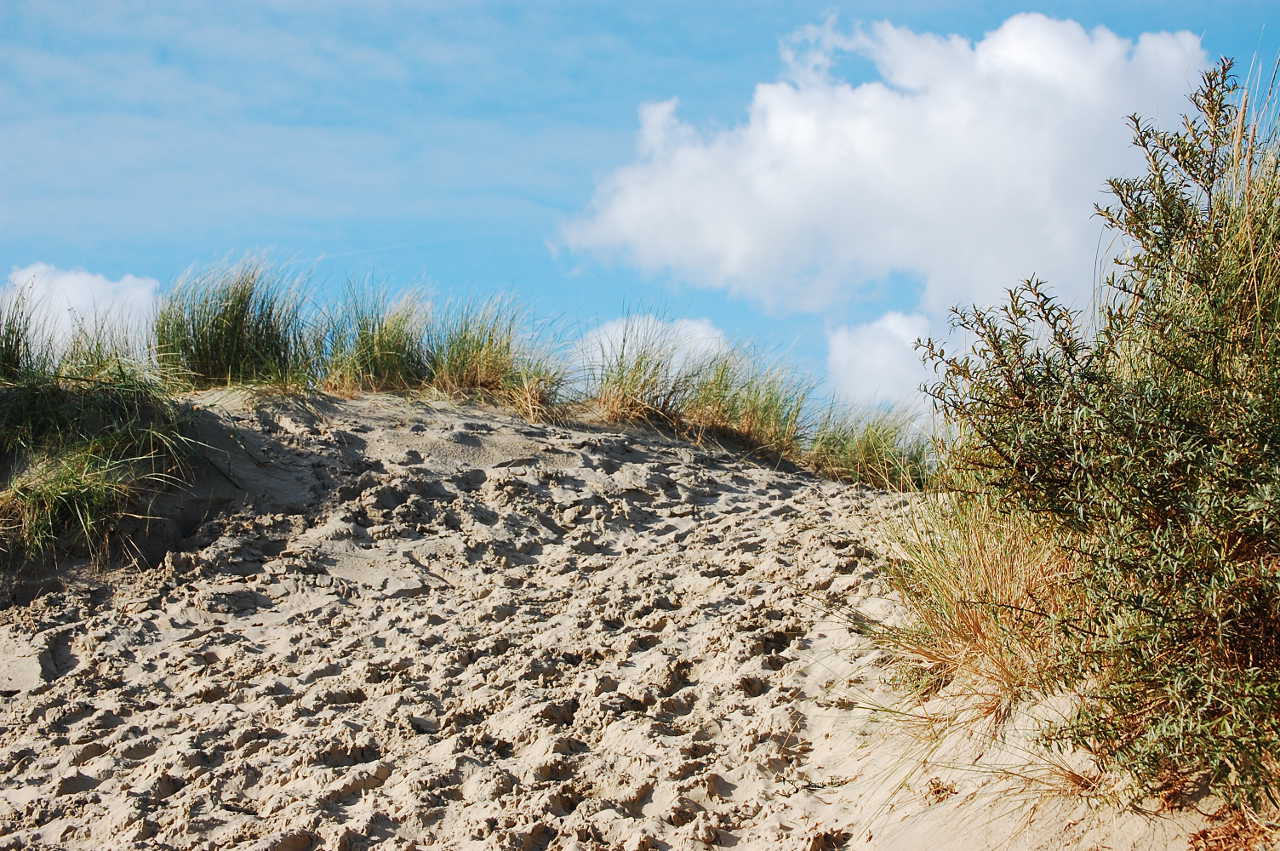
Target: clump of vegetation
(477,350)
(881,449)
(643,374)
(985,588)
(241,324)
(375,343)
(639,375)
(1145,448)
(85,432)
(761,405)
(24,348)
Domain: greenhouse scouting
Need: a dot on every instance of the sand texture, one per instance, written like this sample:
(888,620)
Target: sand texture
(429,626)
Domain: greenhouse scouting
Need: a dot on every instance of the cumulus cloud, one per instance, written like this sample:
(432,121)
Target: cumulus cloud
(877,361)
(688,340)
(967,165)
(64,299)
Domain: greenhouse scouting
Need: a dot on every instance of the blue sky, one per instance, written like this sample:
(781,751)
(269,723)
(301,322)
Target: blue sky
(825,184)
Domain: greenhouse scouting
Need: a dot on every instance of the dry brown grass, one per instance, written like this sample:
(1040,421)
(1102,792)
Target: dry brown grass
(983,590)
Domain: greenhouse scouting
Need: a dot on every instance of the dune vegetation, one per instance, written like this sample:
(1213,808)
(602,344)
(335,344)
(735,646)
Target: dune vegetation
(87,430)
(1101,522)
(1106,522)
(94,425)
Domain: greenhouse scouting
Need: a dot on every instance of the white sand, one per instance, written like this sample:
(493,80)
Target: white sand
(433,627)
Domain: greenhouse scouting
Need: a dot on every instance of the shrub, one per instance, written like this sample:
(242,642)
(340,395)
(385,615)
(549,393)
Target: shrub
(1151,448)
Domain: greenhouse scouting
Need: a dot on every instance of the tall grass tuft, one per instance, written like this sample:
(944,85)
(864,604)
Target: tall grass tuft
(25,346)
(81,444)
(239,324)
(738,394)
(881,449)
(479,350)
(376,343)
(985,590)
(642,373)
(639,374)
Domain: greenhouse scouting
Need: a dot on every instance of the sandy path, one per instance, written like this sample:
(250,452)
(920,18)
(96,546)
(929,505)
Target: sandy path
(441,628)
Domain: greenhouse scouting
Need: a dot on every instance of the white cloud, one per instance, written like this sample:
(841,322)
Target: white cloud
(687,340)
(969,164)
(877,361)
(64,299)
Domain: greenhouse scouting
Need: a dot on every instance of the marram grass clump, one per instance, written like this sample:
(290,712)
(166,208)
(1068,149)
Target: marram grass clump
(239,324)
(642,374)
(86,432)
(883,449)
(377,343)
(481,350)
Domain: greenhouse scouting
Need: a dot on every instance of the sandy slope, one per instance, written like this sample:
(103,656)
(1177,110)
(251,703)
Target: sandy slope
(419,627)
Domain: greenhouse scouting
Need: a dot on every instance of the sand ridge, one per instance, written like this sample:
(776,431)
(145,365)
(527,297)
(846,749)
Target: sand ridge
(417,626)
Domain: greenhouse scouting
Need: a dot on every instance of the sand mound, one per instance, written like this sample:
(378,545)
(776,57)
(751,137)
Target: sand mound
(417,627)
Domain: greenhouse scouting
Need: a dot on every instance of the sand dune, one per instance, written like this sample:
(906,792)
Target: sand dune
(413,626)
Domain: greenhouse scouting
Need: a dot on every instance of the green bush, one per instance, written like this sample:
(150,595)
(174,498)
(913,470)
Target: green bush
(1151,444)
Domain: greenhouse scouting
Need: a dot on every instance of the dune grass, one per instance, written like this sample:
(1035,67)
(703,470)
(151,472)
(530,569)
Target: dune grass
(740,394)
(984,590)
(86,430)
(643,374)
(639,375)
(470,350)
(24,347)
(480,349)
(882,449)
(377,343)
(237,324)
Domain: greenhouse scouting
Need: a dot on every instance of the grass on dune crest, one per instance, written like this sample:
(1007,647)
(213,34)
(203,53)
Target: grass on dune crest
(639,375)
(1136,454)
(86,429)
(482,350)
(25,346)
(466,350)
(378,343)
(739,394)
(883,449)
(237,324)
(644,374)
